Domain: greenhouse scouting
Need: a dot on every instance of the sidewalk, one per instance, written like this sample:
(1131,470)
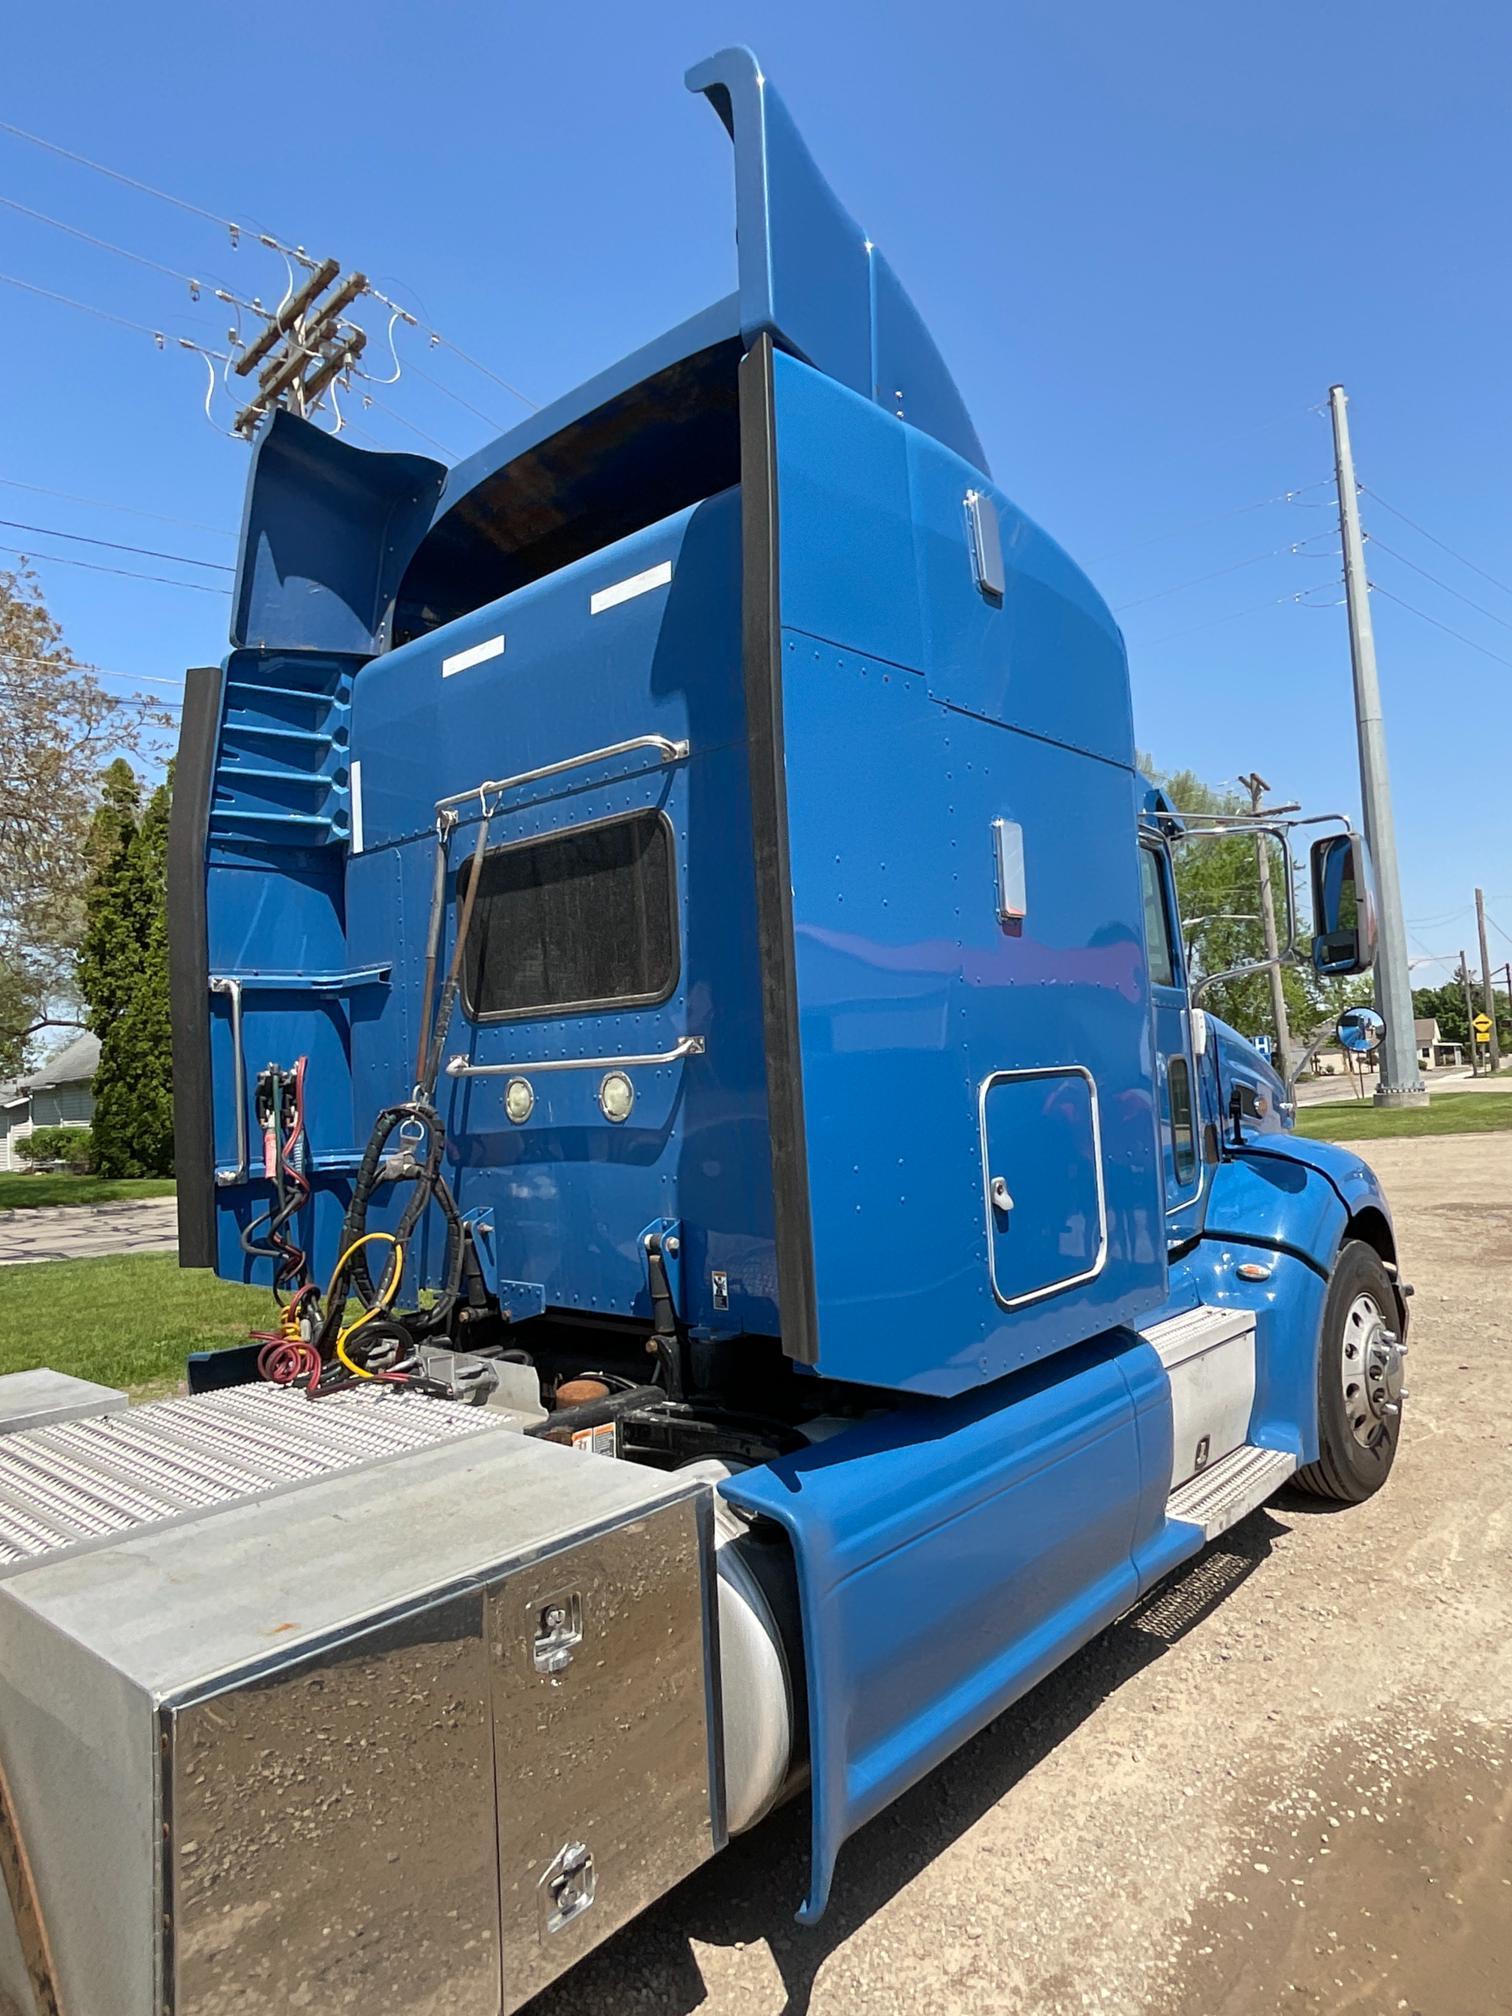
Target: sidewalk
(83,1232)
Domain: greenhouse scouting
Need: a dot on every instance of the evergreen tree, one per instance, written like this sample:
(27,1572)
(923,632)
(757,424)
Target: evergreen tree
(123,975)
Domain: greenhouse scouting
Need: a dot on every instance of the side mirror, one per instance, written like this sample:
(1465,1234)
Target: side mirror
(1343,911)
(1360,1031)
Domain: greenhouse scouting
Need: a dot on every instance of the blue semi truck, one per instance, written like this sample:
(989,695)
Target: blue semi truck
(678,990)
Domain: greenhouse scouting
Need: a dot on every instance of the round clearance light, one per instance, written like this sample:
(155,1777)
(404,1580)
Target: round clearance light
(519,1100)
(616,1096)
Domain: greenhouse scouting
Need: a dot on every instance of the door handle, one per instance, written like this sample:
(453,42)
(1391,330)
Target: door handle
(998,1191)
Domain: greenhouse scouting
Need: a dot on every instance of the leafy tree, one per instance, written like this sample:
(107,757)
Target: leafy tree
(58,727)
(123,974)
(1446,1005)
(1218,897)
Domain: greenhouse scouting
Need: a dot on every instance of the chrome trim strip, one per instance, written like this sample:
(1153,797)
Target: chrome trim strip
(669,752)
(1088,1273)
(229,985)
(686,1046)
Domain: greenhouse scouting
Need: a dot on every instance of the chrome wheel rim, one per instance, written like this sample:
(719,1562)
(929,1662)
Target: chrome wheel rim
(1370,1368)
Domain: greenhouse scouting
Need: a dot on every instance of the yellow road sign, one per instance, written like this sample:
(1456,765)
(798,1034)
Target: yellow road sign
(1482,1027)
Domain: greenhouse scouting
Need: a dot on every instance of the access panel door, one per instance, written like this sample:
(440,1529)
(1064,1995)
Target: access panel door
(1042,1181)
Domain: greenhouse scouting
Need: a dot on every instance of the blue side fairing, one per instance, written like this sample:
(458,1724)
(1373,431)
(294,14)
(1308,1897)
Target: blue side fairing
(950,1554)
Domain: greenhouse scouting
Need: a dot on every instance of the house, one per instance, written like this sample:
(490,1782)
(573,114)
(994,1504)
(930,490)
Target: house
(59,1093)
(1433,1050)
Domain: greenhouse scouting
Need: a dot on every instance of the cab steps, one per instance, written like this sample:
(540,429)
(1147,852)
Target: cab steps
(1236,1484)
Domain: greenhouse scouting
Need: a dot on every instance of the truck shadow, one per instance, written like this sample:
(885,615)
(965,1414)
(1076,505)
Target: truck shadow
(750,1892)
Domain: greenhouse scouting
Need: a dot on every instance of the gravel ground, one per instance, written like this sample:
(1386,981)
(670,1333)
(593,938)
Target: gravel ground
(1281,1786)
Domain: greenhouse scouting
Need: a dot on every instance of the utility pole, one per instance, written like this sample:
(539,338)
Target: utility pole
(1486,988)
(1469,1017)
(1401,1083)
(307,344)
(1257,787)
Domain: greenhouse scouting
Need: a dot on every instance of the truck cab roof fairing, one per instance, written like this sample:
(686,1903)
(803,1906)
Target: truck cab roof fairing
(811,277)
(391,545)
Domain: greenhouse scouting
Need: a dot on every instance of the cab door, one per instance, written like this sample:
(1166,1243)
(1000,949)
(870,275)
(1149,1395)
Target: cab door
(1180,1135)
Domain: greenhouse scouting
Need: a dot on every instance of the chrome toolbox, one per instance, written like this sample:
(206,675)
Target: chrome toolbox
(365,1705)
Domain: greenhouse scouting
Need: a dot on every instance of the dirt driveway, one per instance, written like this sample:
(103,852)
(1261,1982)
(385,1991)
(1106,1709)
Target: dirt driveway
(1285,1785)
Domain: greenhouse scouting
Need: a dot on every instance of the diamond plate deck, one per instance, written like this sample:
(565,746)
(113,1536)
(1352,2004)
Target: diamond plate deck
(83,1482)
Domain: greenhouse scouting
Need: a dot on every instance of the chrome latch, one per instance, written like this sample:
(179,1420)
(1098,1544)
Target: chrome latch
(1001,1200)
(568,1886)
(558,1628)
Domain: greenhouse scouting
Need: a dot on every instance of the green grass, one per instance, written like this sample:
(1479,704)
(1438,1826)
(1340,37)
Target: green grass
(1449,1113)
(128,1320)
(22,1192)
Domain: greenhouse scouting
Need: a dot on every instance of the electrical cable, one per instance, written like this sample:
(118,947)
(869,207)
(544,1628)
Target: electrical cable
(372,399)
(85,307)
(1381,546)
(116,545)
(125,573)
(115,175)
(105,245)
(1197,580)
(1275,602)
(1212,518)
(102,504)
(93,671)
(1448,628)
(487,418)
(1433,540)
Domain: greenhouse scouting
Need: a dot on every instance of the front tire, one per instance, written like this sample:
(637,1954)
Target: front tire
(1360,1389)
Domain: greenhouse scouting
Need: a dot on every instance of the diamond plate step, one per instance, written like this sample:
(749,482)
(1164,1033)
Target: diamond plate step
(1216,1498)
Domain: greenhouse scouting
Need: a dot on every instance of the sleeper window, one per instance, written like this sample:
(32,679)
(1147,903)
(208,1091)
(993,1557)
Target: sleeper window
(574,921)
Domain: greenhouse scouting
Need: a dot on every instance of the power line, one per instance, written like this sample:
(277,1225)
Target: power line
(1197,580)
(104,244)
(115,175)
(237,232)
(13,667)
(1479,607)
(116,546)
(1212,518)
(126,573)
(1446,627)
(103,504)
(421,372)
(1433,540)
(372,399)
(84,307)
(1275,602)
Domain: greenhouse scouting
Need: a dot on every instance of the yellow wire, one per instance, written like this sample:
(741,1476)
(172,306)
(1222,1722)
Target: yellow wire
(386,1295)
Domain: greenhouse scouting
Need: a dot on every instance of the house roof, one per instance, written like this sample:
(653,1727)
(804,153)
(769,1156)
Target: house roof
(75,1064)
(1426,1031)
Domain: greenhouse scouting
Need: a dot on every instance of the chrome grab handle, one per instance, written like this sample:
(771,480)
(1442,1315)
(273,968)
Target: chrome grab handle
(686,1046)
(229,985)
(669,752)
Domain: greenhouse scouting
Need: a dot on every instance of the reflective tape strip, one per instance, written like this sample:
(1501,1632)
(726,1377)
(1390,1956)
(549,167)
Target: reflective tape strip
(476,654)
(626,591)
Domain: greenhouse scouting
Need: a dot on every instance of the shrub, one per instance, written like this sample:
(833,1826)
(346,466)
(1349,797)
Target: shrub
(71,1145)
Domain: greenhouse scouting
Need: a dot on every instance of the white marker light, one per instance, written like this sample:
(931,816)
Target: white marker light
(519,1100)
(616,1097)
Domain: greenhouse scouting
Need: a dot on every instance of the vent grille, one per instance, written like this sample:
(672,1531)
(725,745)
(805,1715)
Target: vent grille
(83,1482)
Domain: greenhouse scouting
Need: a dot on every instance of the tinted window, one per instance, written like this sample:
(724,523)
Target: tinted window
(1157,924)
(578,920)
(1183,1132)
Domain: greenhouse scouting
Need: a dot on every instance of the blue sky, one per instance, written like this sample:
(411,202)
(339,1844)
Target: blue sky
(1148,239)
